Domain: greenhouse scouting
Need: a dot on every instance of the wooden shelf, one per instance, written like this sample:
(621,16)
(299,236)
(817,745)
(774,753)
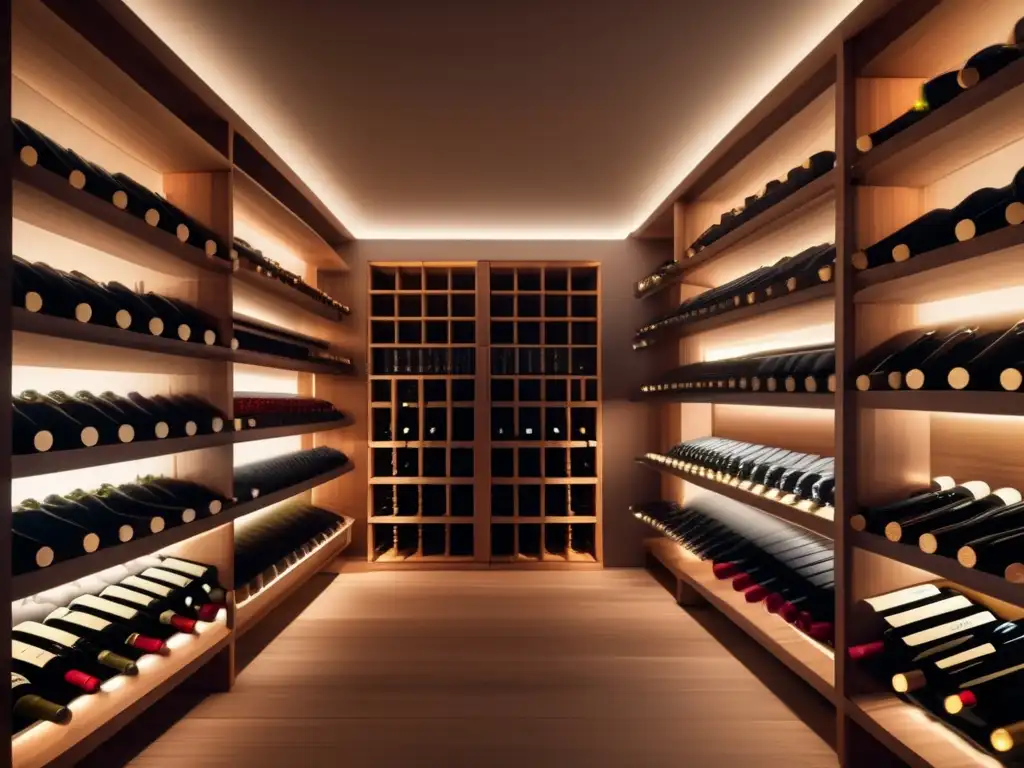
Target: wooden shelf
(422,481)
(976,123)
(984,263)
(294,299)
(735,397)
(946,567)
(49,202)
(249,357)
(812,522)
(945,401)
(813,662)
(823,292)
(249,506)
(913,736)
(419,519)
(391,556)
(99,716)
(249,612)
(268,433)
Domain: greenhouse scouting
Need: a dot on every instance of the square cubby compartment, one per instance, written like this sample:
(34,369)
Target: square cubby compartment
(410,332)
(383,539)
(584,423)
(584,278)
(583,500)
(529,390)
(434,500)
(584,361)
(529,540)
(556,333)
(556,279)
(382,306)
(503,361)
(435,391)
(462,503)
(433,540)
(503,500)
(527,332)
(529,424)
(382,424)
(555,462)
(437,305)
(528,279)
(556,500)
(408,392)
(463,332)
(582,539)
(463,424)
(462,462)
(461,537)
(435,423)
(437,332)
(463,391)
(583,462)
(410,305)
(502,462)
(503,540)
(502,332)
(407,423)
(382,362)
(383,500)
(503,390)
(383,462)
(382,332)
(380,391)
(529,462)
(556,361)
(556,390)
(578,390)
(435,462)
(503,425)
(528,305)
(528,499)
(436,279)
(407,500)
(584,333)
(503,305)
(410,279)
(463,280)
(407,461)
(383,279)
(584,306)
(556,539)
(556,306)
(407,540)
(530,361)
(463,305)
(503,280)
(555,424)
(590,390)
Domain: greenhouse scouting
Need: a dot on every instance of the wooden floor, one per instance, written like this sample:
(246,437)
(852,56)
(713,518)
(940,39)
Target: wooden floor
(499,668)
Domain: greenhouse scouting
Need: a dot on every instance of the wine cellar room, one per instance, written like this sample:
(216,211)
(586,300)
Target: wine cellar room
(515,383)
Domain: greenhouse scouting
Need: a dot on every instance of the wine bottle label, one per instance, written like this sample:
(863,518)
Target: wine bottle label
(126,433)
(86,620)
(125,533)
(184,332)
(218,424)
(188,515)
(965,656)
(161,430)
(33,301)
(169,576)
(90,542)
(29,156)
(90,436)
(18,680)
(156,326)
(42,441)
(120,199)
(928,611)
(83,312)
(147,586)
(107,606)
(952,628)
(48,632)
(123,318)
(184,567)
(37,657)
(209,338)
(156,524)
(127,594)
(902,597)
(152,217)
(77,179)
(191,428)
(182,232)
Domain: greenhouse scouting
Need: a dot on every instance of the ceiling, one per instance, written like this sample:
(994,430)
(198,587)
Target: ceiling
(492,119)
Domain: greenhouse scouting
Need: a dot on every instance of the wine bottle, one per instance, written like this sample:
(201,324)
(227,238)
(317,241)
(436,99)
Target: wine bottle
(177,419)
(910,528)
(210,420)
(111,431)
(66,539)
(180,600)
(199,591)
(29,554)
(154,609)
(49,668)
(883,366)
(28,705)
(118,500)
(997,553)
(984,211)
(983,371)
(146,424)
(206,574)
(143,319)
(142,519)
(105,632)
(81,650)
(110,528)
(986,63)
(926,233)
(103,308)
(176,491)
(64,431)
(26,435)
(47,292)
(935,93)
(948,539)
(943,492)
(956,349)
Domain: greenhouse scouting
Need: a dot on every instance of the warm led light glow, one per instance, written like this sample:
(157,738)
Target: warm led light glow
(252,378)
(973,306)
(258,450)
(263,240)
(89,478)
(815,334)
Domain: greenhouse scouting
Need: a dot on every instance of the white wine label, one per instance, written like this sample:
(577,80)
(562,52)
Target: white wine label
(965,656)
(188,515)
(902,597)
(952,628)
(993,676)
(33,301)
(180,565)
(48,632)
(86,620)
(37,657)
(191,428)
(123,318)
(18,680)
(169,576)
(152,217)
(161,430)
(929,611)
(127,594)
(937,650)
(120,199)
(147,586)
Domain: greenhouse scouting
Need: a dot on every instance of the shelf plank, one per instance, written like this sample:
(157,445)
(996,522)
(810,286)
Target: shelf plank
(33,582)
(776,217)
(812,662)
(819,525)
(823,292)
(736,397)
(249,613)
(49,202)
(946,567)
(976,123)
(944,401)
(268,433)
(294,299)
(913,736)
(249,357)
(983,263)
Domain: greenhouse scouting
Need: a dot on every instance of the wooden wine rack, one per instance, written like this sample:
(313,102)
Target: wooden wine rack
(71,80)
(862,76)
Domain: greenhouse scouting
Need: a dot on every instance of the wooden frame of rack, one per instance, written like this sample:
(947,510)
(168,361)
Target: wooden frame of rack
(91,75)
(863,75)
